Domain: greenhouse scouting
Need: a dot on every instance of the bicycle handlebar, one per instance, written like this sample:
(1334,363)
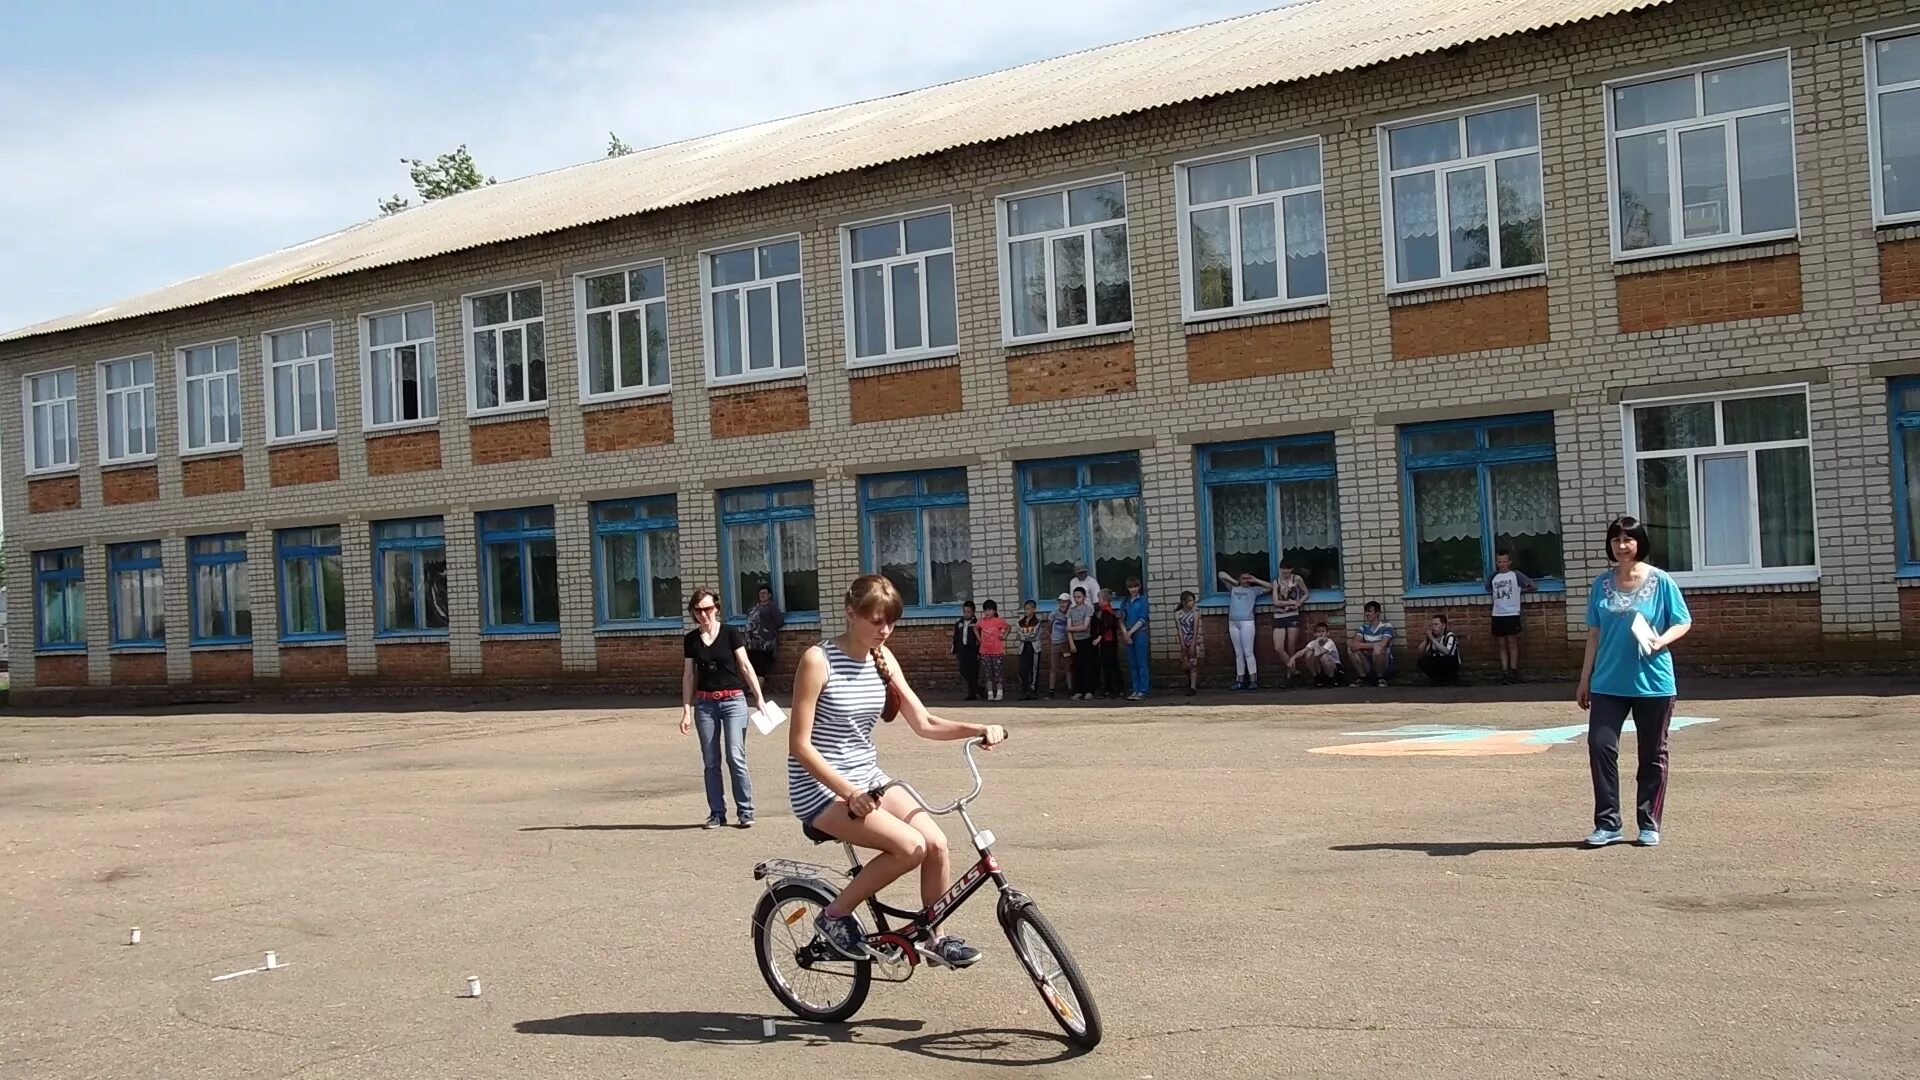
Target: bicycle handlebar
(950,807)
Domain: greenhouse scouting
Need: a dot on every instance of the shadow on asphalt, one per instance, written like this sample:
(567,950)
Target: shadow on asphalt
(610,828)
(1465,847)
(975,1046)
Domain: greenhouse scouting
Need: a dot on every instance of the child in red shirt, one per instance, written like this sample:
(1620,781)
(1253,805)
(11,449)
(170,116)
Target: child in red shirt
(993,650)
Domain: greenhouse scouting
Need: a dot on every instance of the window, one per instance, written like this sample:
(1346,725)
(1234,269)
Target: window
(1905,412)
(1081,510)
(1725,485)
(753,300)
(220,612)
(914,530)
(507,363)
(54,423)
(402,386)
(1052,238)
(135,599)
(210,396)
(410,576)
(900,302)
(313,596)
(766,539)
(519,571)
(1268,503)
(624,325)
(1703,159)
(60,599)
(1253,232)
(1463,198)
(636,561)
(126,410)
(300,382)
(1475,488)
(1893,124)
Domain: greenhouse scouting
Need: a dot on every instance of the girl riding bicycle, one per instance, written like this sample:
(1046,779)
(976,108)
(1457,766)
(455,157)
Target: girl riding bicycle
(842,688)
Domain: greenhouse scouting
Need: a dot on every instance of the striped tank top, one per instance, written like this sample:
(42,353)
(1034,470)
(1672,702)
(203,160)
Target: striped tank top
(843,720)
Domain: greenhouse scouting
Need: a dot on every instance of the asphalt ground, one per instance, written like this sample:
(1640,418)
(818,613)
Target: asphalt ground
(1242,906)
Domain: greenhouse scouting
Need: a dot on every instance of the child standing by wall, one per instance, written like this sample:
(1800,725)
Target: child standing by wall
(1243,595)
(1186,623)
(1027,631)
(1133,634)
(1506,585)
(966,649)
(1086,658)
(1106,636)
(1060,647)
(1289,594)
(993,651)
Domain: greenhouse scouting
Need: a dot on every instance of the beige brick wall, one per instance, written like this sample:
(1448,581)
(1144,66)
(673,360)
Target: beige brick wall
(1841,329)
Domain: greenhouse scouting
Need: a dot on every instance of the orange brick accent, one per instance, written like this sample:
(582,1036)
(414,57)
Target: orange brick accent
(760,412)
(140,669)
(652,659)
(223,667)
(649,423)
(1499,320)
(316,463)
(1696,295)
(1910,617)
(53,493)
(405,452)
(66,670)
(414,661)
(513,440)
(314,664)
(121,486)
(1899,271)
(1253,351)
(521,658)
(1091,371)
(1751,628)
(898,395)
(212,475)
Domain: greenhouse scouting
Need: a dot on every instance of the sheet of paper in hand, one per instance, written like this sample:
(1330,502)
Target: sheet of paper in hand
(768,718)
(1643,633)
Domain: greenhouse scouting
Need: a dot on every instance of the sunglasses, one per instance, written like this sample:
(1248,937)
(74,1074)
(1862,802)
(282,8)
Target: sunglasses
(705,609)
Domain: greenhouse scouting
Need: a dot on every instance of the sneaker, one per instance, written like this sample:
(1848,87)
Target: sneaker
(1380,682)
(746,823)
(954,952)
(844,936)
(715,822)
(1648,838)
(1603,837)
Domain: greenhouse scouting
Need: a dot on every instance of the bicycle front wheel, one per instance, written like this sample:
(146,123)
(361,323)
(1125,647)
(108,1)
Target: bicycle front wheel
(811,981)
(1053,971)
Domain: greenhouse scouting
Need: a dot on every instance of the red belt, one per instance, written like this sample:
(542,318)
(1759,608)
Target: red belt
(715,695)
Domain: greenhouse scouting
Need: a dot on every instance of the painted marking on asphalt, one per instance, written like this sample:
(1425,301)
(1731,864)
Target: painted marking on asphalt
(1445,740)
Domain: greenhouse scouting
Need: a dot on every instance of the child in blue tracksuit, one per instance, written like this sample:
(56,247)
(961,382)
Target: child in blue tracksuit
(1133,631)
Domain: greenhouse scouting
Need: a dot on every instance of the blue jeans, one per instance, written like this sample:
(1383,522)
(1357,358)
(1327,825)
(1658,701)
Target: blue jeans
(714,718)
(1137,662)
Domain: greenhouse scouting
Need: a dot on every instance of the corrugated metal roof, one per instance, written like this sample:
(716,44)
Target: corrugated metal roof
(1300,41)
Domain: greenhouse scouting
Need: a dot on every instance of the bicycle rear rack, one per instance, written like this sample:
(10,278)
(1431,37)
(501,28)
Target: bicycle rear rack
(791,868)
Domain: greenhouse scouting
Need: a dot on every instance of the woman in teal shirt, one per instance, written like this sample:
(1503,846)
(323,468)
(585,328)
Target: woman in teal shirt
(1634,613)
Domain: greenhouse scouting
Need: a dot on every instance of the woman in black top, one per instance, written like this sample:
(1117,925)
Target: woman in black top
(714,684)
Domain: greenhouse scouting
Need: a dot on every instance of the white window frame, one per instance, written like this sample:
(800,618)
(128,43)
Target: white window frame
(70,404)
(1673,129)
(467,358)
(621,393)
(1874,90)
(1489,166)
(367,374)
(772,284)
(148,396)
(1003,247)
(1735,576)
(322,387)
(185,384)
(919,259)
(1183,208)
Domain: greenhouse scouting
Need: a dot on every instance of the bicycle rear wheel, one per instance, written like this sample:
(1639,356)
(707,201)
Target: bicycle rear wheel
(1053,971)
(813,983)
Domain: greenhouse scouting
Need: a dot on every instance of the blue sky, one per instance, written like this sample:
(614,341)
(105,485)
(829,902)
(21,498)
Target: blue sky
(144,142)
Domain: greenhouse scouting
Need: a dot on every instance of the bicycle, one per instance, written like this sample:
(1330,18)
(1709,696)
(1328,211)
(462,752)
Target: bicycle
(826,987)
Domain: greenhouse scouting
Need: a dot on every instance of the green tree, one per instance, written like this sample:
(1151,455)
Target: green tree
(449,174)
(616,148)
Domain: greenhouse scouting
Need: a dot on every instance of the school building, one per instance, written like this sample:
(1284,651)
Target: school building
(1377,287)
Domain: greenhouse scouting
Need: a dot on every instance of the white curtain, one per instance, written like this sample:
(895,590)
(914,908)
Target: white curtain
(1446,504)
(1526,499)
(948,537)
(1309,517)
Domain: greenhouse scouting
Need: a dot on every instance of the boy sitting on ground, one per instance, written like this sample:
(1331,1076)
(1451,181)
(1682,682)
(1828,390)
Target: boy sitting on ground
(1320,657)
(1440,653)
(1372,647)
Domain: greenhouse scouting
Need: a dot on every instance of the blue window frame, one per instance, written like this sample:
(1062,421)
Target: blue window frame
(217,597)
(1268,502)
(766,538)
(60,600)
(1472,488)
(1904,410)
(410,577)
(519,572)
(313,595)
(1084,509)
(636,562)
(914,530)
(136,600)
